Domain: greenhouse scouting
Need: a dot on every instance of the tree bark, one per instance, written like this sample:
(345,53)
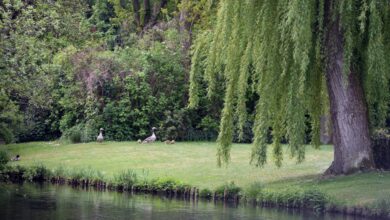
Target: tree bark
(154,16)
(157,7)
(350,127)
(137,17)
(185,28)
(148,12)
(325,130)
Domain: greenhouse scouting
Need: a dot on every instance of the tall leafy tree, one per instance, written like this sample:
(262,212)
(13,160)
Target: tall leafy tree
(302,58)
(31,32)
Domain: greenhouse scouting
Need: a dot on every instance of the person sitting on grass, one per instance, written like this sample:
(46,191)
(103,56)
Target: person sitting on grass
(16,158)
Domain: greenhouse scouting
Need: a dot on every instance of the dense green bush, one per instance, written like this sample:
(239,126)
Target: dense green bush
(81,133)
(39,124)
(315,199)
(91,130)
(103,73)
(167,184)
(12,173)
(178,125)
(6,134)
(206,193)
(37,173)
(4,158)
(124,91)
(74,134)
(227,191)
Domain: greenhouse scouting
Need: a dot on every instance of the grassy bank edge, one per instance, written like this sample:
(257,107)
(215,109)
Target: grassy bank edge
(310,198)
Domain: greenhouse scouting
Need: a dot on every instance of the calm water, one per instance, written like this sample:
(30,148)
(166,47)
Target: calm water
(47,201)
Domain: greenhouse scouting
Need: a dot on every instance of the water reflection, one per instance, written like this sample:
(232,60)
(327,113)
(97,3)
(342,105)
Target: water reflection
(30,201)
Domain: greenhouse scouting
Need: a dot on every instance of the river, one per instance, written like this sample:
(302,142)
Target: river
(33,201)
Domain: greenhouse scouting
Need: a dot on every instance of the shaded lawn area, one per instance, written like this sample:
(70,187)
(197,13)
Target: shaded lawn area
(195,163)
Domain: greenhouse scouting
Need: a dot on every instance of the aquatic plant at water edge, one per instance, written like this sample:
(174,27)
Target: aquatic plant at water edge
(228,191)
(381,207)
(125,179)
(206,193)
(254,190)
(295,197)
(37,173)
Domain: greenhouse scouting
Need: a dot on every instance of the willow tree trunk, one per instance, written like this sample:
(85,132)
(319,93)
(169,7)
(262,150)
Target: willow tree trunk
(351,139)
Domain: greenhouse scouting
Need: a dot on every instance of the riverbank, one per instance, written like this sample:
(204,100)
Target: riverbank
(191,166)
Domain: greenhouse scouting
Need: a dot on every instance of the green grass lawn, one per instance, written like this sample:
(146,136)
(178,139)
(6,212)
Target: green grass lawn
(195,163)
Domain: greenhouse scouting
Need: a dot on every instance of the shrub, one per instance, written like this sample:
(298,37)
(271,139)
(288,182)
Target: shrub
(4,158)
(6,134)
(198,135)
(90,131)
(37,173)
(290,197)
(176,124)
(228,191)
(315,199)
(73,134)
(7,172)
(206,193)
(254,190)
(12,173)
(143,186)
(75,137)
(166,184)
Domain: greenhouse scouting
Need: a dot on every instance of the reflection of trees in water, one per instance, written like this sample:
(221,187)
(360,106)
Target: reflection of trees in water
(47,201)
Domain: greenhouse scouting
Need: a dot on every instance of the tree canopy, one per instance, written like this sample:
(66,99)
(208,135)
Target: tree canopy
(72,67)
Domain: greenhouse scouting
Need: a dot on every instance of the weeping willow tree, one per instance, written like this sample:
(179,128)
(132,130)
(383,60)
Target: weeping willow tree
(303,58)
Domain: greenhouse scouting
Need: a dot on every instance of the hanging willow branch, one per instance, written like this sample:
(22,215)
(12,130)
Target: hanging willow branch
(283,41)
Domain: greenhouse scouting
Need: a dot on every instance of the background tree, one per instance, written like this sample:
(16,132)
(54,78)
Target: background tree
(302,58)
(71,67)
(31,32)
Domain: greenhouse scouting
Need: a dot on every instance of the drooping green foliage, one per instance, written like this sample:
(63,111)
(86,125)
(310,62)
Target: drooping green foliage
(378,65)
(277,48)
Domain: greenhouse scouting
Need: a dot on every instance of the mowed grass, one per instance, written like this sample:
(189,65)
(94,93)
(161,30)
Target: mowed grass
(195,163)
